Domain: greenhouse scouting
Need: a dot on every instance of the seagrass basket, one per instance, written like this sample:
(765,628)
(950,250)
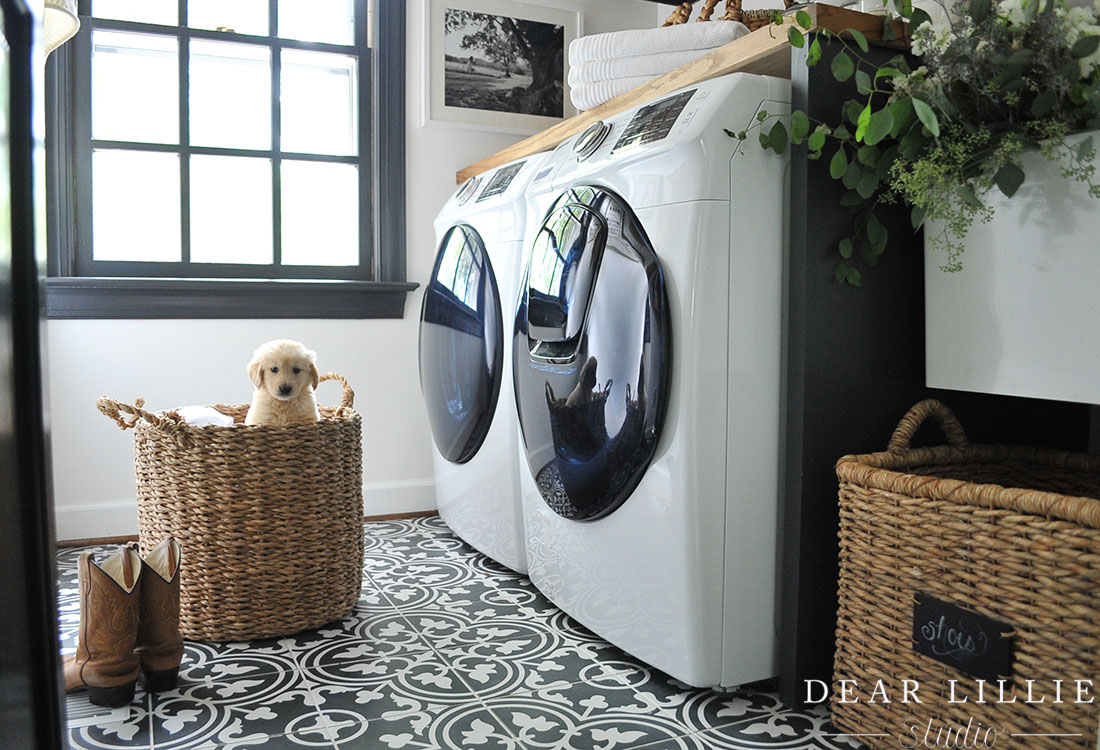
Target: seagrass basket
(1006,533)
(270,518)
(754,19)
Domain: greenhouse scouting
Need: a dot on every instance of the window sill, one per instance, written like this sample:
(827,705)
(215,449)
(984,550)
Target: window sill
(140,298)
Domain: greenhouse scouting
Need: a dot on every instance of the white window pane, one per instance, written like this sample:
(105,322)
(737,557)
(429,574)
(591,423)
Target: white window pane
(135,206)
(320,204)
(231,210)
(146,11)
(230,95)
(319,103)
(135,85)
(241,16)
(329,21)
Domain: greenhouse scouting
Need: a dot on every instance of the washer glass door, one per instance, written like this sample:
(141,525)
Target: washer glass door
(461,345)
(591,354)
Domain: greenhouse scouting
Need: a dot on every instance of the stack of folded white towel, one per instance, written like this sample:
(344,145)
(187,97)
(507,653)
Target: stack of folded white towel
(602,66)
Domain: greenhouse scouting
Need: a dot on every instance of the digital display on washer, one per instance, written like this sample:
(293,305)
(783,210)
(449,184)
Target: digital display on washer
(500,182)
(653,121)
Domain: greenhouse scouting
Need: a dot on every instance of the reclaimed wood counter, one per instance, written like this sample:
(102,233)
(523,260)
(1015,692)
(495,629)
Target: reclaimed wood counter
(765,51)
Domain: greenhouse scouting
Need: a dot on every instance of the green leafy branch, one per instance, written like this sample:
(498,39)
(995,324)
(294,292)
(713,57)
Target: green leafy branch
(939,137)
(860,159)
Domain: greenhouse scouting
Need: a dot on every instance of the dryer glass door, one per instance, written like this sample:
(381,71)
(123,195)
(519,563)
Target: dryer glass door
(591,354)
(461,345)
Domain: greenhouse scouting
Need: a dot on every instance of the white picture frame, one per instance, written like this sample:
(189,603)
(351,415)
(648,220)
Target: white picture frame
(497,51)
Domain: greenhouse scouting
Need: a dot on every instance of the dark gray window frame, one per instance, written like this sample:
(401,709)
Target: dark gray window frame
(382,128)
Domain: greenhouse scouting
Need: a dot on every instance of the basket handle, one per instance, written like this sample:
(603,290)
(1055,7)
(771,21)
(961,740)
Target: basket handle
(706,11)
(917,416)
(347,395)
(680,14)
(177,428)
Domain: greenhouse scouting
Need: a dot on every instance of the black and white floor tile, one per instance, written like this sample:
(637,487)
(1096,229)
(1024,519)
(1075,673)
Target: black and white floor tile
(445,650)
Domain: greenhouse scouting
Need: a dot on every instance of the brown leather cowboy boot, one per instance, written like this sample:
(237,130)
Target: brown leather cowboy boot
(105,662)
(159,645)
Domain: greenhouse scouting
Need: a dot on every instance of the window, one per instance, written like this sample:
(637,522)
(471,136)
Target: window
(214,159)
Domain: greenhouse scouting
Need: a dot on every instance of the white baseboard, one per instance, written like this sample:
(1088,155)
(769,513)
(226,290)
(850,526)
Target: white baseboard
(96,520)
(406,496)
(120,518)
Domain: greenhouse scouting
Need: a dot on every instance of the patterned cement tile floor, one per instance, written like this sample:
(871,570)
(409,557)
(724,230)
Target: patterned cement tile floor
(445,650)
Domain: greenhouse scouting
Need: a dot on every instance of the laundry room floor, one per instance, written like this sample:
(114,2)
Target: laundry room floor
(445,650)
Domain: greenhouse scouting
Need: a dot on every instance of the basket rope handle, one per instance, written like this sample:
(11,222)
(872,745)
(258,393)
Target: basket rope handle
(680,15)
(706,11)
(115,409)
(169,424)
(917,416)
(347,395)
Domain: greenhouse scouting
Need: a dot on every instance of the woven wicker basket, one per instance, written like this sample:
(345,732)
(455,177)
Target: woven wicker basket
(943,522)
(270,518)
(754,19)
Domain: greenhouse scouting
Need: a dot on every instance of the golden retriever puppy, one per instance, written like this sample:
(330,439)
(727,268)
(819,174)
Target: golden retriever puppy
(285,374)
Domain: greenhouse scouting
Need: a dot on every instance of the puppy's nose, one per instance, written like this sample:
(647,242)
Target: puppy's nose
(284,390)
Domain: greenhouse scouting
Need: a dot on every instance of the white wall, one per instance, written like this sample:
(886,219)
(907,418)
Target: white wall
(174,363)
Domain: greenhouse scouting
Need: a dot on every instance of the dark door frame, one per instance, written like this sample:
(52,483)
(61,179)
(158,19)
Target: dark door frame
(30,684)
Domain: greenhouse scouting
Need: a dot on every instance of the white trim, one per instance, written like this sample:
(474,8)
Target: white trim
(119,518)
(96,520)
(404,496)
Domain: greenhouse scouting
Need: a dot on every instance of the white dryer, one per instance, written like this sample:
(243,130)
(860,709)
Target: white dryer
(466,364)
(647,353)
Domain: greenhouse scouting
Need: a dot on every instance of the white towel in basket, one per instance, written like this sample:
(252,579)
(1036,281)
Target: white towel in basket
(589,95)
(635,65)
(204,415)
(645,41)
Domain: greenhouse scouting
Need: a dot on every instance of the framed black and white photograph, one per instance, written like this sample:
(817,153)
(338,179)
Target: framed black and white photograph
(498,65)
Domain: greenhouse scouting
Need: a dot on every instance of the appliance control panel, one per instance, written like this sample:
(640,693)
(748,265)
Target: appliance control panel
(501,180)
(669,125)
(546,172)
(466,190)
(653,122)
(591,139)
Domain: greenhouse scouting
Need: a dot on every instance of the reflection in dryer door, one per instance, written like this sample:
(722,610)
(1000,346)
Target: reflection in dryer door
(461,351)
(564,260)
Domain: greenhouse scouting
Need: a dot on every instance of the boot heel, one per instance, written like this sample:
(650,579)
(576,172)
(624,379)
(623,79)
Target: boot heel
(112,697)
(158,682)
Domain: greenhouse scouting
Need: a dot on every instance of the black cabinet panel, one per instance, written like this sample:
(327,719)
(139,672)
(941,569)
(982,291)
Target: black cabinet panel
(855,366)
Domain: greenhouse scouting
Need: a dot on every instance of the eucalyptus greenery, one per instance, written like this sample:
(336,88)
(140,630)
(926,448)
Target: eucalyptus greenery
(999,80)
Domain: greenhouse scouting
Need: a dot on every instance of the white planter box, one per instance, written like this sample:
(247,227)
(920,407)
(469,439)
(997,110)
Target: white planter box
(1023,316)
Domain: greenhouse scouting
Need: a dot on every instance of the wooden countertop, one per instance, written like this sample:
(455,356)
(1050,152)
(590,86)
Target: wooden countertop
(764,52)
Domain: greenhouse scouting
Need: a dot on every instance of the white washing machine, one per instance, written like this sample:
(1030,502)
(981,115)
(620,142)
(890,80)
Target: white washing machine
(647,363)
(466,364)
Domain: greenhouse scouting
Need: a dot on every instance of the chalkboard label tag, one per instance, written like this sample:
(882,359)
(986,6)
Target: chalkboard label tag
(972,643)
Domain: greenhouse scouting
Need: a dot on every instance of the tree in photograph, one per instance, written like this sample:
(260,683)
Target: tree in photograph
(503,39)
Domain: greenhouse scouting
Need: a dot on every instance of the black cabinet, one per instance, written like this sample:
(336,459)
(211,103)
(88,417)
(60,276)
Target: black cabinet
(855,366)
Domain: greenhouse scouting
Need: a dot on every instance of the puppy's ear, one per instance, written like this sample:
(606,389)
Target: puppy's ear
(315,376)
(256,371)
